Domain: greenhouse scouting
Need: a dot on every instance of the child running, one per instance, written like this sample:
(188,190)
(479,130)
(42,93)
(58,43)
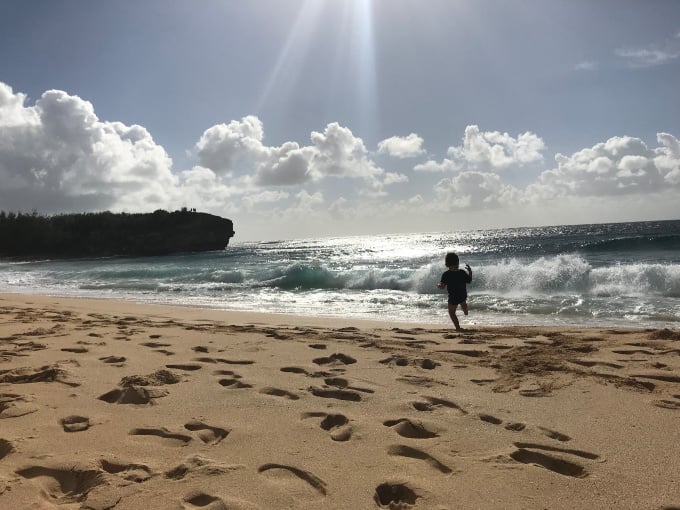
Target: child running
(455,281)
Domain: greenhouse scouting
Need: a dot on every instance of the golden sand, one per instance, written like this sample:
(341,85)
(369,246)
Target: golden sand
(111,404)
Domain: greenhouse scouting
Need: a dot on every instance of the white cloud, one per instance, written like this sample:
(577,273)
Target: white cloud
(446,165)
(474,190)
(402,146)
(586,65)
(12,109)
(225,147)
(651,55)
(489,151)
(201,188)
(338,208)
(394,178)
(308,201)
(416,200)
(620,166)
(287,165)
(667,158)
(58,156)
(237,150)
(647,57)
(264,197)
(338,153)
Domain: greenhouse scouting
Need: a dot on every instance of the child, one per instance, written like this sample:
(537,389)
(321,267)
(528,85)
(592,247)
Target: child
(455,280)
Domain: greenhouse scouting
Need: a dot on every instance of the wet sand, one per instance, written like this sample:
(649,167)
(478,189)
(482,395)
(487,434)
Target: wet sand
(110,404)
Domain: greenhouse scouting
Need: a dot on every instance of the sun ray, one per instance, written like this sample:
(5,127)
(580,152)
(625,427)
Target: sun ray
(365,57)
(294,51)
(351,83)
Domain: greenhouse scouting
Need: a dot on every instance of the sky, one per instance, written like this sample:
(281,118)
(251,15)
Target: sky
(311,118)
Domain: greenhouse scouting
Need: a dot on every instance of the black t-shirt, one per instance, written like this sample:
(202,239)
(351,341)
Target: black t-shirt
(455,281)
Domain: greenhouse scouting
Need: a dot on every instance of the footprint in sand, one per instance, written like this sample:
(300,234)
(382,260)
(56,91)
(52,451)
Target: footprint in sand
(534,392)
(667,404)
(395,360)
(76,350)
(335,359)
(482,382)
(336,424)
(570,451)
(291,476)
(190,367)
(136,395)
(234,384)
(207,433)
(417,380)
(114,360)
(672,378)
(490,419)
(13,406)
(341,382)
(277,335)
(227,372)
(132,472)
(25,375)
(158,378)
(407,428)
(434,403)
(75,423)
(5,448)
(294,370)
(427,364)
(351,396)
(206,359)
(395,495)
(555,464)
(67,484)
(553,434)
(169,438)
(277,392)
(518,427)
(198,500)
(155,345)
(203,501)
(201,466)
(413,453)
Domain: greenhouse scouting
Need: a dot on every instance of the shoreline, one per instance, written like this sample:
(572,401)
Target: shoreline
(474,322)
(115,404)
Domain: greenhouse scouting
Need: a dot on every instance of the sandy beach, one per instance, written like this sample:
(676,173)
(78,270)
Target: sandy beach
(110,404)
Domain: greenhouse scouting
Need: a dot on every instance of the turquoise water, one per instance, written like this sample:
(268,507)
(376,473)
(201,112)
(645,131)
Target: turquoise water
(625,274)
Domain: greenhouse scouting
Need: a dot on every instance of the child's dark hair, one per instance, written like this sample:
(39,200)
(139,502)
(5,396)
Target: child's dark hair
(451,260)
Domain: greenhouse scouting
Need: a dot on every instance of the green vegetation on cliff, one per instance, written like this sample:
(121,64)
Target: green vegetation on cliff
(106,234)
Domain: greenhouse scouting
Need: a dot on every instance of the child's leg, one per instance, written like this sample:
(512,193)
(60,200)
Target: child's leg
(452,314)
(463,306)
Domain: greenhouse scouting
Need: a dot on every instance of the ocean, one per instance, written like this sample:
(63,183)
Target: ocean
(607,275)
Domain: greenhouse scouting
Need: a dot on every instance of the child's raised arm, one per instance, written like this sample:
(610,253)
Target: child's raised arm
(469,271)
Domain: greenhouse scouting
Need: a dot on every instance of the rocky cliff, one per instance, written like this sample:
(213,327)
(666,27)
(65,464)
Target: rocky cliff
(108,234)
